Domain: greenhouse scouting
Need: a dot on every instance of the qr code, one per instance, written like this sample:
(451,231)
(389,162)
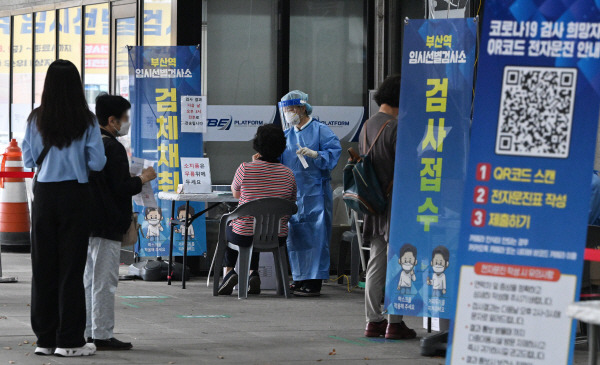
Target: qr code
(536,111)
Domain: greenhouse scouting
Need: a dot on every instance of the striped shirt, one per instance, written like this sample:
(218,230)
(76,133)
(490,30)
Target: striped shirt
(260,179)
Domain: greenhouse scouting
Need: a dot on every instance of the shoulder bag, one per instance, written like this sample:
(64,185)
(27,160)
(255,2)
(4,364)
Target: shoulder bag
(362,191)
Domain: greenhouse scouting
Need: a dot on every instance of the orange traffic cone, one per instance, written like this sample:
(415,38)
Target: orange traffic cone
(14,209)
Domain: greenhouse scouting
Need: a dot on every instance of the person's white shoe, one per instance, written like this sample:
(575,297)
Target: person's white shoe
(43,351)
(86,350)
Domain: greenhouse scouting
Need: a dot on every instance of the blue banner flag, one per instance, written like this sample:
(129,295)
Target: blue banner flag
(158,78)
(431,156)
(527,194)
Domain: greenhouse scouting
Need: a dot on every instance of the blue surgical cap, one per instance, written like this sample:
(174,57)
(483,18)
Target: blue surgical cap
(297,94)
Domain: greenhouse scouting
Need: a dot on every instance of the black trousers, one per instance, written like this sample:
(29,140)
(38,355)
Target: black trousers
(231,255)
(59,239)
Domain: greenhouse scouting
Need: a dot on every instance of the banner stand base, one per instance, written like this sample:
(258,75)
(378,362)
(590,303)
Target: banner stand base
(434,345)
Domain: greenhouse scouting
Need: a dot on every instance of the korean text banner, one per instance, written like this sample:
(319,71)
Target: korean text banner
(431,157)
(527,192)
(159,77)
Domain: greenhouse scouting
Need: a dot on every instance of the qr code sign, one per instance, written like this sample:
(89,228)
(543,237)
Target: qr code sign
(536,111)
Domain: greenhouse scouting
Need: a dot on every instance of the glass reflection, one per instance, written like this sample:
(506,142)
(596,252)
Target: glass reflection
(96,51)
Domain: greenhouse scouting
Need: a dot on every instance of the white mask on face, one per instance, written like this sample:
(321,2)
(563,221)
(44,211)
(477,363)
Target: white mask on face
(124,129)
(438,269)
(407,266)
(153,222)
(292,118)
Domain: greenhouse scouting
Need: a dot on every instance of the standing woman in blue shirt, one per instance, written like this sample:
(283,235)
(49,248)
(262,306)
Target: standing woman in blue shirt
(63,141)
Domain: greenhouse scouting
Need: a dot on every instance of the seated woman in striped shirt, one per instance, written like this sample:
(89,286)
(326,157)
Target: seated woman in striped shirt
(264,177)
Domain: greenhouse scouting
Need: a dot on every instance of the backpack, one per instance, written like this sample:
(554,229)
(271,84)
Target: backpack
(362,191)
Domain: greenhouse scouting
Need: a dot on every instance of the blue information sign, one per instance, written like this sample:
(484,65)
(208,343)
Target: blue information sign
(431,157)
(527,193)
(159,77)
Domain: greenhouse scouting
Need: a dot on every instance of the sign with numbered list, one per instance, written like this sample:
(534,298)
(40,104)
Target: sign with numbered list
(527,193)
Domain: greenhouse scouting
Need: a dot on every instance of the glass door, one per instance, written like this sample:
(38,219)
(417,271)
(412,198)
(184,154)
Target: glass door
(123,35)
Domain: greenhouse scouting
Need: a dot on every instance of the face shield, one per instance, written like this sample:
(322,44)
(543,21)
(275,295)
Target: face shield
(290,112)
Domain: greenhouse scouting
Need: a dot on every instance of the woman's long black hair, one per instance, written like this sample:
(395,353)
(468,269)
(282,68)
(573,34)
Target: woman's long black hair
(63,115)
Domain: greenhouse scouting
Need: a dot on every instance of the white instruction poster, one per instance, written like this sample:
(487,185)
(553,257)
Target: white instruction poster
(193,114)
(196,175)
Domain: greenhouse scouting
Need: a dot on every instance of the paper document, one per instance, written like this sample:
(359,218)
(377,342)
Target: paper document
(146,197)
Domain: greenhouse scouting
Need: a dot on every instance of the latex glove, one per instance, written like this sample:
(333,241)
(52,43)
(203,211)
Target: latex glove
(305,151)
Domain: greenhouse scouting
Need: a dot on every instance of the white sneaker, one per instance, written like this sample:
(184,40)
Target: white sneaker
(43,351)
(86,350)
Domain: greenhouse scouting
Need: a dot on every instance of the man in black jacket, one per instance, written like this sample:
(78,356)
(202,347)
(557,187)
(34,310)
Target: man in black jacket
(113,188)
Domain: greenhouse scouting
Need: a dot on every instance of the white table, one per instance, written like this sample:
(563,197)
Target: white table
(588,312)
(214,197)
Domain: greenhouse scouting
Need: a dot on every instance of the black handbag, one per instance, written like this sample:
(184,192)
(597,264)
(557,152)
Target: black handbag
(362,191)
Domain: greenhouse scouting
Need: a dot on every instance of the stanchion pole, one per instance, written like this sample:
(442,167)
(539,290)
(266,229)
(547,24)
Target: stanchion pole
(8,279)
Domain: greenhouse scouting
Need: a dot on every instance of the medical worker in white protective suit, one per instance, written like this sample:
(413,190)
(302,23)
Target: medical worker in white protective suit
(312,151)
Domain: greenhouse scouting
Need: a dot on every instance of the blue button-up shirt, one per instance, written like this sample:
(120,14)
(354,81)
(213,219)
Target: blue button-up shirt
(69,163)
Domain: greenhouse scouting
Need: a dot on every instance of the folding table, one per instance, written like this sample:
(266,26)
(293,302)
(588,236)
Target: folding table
(217,198)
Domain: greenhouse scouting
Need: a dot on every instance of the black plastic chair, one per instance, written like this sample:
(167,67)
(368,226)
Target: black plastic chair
(267,214)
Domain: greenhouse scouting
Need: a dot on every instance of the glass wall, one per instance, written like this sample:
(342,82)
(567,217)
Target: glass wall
(40,37)
(4,80)
(45,49)
(97,46)
(22,74)
(157,23)
(125,36)
(327,51)
(327,43)
(69,36)
(242,52)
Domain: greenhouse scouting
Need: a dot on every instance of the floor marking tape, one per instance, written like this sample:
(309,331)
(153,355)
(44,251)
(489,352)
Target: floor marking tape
(206,316)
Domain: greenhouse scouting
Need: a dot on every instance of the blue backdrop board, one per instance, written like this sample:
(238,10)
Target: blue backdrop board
(527,193)
(431,157)
(159,77)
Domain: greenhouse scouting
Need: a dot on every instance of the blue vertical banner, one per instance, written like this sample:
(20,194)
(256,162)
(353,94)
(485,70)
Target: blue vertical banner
(158,78)
(431,157)
(527,192)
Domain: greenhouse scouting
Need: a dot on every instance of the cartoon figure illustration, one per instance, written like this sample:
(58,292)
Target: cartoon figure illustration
(408,261)
(439,262)
(182,218)
(154,218)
